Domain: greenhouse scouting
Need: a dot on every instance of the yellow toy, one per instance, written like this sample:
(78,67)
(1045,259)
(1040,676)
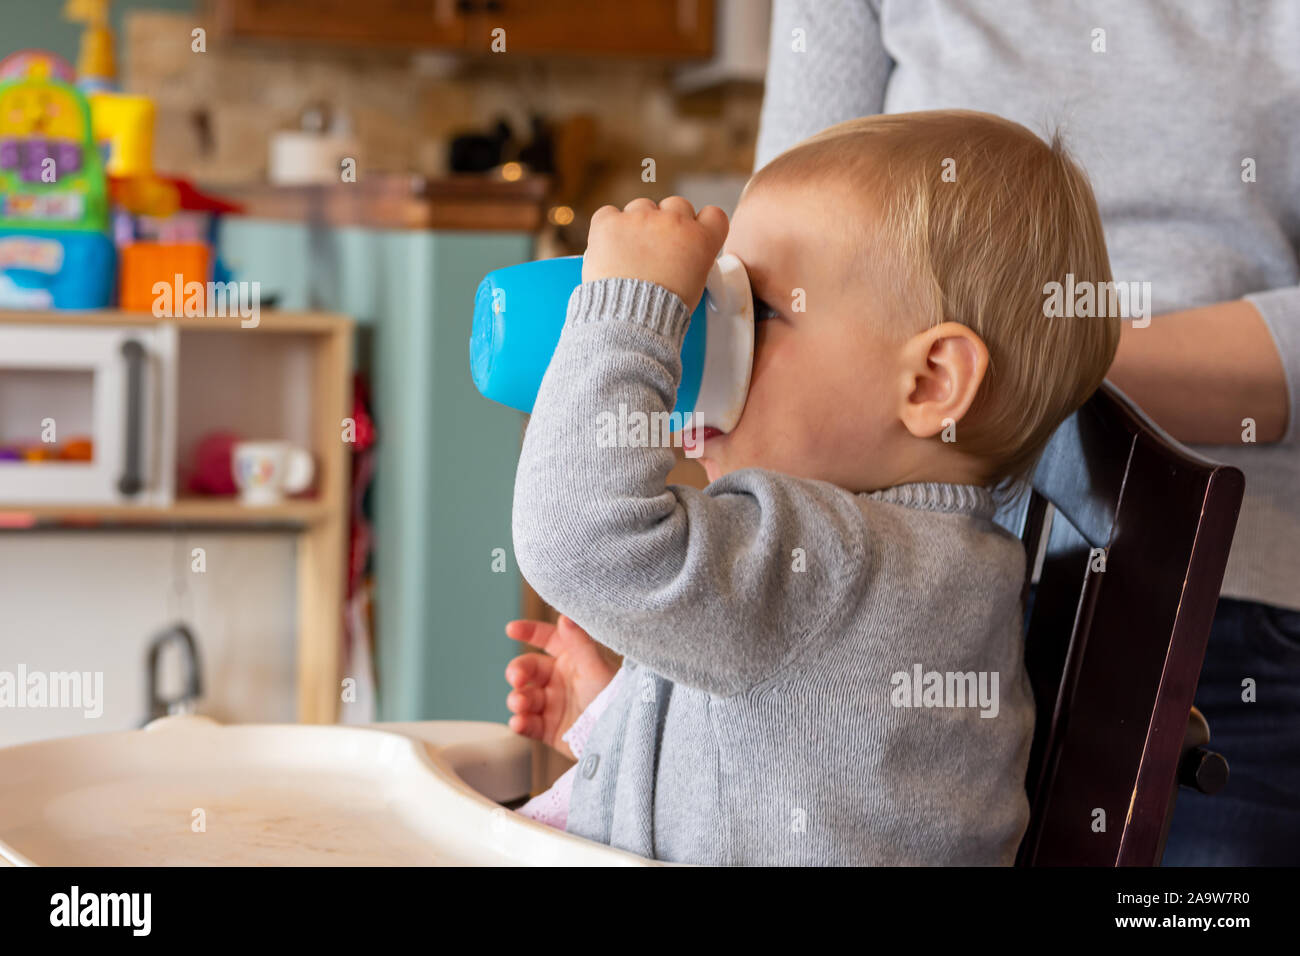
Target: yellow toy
(96,64)
(126,123)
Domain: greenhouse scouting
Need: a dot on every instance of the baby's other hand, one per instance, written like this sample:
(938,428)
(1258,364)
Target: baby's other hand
(552,689)
(666,243)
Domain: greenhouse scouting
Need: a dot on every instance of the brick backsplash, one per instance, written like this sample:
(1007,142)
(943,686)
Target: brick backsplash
(402,117)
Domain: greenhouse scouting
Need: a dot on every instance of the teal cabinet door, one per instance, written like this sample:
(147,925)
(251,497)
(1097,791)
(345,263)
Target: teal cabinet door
(445,575)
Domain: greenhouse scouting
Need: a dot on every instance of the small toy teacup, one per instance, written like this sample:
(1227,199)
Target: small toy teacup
(265,471)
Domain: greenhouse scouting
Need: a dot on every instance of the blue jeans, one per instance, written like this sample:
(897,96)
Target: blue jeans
(1255,819)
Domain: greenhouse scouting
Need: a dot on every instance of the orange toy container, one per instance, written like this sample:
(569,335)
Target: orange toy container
(143,264)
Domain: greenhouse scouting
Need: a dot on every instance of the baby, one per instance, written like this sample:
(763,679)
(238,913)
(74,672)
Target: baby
(822,652)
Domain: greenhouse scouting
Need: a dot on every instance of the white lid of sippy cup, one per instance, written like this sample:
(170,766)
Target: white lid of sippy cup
(729,345)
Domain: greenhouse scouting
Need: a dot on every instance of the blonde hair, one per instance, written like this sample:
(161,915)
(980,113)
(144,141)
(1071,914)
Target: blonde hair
(977,246)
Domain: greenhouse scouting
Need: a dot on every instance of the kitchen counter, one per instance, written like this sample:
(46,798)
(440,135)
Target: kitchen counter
(459,202)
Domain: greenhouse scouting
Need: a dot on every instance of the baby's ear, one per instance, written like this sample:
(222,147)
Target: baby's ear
(943,367)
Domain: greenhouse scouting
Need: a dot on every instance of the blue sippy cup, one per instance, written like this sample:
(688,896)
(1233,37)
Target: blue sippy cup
(520,310)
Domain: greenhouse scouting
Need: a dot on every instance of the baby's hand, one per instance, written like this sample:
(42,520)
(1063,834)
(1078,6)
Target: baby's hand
(552,690)
(667,244)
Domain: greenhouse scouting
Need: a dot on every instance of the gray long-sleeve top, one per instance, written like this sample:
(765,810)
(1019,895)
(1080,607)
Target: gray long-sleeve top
(804,663)
(1185,92)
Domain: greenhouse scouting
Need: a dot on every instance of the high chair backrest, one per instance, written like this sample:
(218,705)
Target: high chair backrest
(1137,543)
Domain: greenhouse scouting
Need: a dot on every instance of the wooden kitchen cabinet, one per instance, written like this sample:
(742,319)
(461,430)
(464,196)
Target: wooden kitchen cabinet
(656,28)
(671,28)
(377,23)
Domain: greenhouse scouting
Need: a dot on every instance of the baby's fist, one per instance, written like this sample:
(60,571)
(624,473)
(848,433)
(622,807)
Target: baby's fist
(667,244)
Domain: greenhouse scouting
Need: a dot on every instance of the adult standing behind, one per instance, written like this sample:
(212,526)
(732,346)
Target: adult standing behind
(1184,115)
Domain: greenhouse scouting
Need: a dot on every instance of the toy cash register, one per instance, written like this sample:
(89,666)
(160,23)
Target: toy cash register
(55,246)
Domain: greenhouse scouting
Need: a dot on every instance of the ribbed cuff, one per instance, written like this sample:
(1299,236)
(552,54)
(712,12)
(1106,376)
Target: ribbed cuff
(1280,309)
(630,300)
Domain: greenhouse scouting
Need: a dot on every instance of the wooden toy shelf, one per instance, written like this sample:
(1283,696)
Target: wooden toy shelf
(191,512)
(288,378)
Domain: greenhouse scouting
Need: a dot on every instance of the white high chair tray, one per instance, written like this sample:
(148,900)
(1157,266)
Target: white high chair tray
(279,795)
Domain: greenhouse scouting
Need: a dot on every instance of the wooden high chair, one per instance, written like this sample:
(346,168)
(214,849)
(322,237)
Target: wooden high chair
(1135,554)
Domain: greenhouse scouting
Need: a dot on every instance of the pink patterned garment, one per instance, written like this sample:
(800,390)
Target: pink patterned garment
(552,807)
